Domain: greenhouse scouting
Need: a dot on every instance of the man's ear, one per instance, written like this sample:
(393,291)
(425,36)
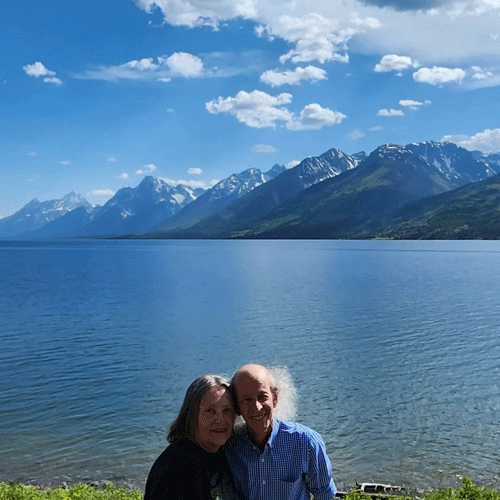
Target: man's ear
(275,392)
(232,391)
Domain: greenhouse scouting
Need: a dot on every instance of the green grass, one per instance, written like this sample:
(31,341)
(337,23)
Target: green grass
(468,491)
(77,492)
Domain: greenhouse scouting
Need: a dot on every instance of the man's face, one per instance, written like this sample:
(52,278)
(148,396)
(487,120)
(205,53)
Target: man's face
(256,402)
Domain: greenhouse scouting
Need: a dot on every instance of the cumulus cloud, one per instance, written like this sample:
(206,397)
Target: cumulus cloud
(192,13)
(163,68)
(264,148)
(314,117)
(276,78)
(183,64)
(473,7)
(122,177)
(255,109)
(103,192)
(479,74)
(430,28)
(390,112)
(413,105)
(486,142)
(438,76)
(195,171)
(260,110)
(356,134)
(393,62)
(146,169)
(316,38)
(53,79)
(38,69)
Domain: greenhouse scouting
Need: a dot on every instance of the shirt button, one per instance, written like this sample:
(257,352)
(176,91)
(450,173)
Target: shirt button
(263,482)
(262,460)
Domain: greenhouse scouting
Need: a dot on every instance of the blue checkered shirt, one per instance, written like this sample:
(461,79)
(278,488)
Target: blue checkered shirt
(293,464)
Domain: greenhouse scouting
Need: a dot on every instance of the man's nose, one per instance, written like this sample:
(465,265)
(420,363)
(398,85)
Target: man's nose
(258,405)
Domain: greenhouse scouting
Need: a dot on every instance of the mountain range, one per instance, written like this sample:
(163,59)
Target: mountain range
(421,190)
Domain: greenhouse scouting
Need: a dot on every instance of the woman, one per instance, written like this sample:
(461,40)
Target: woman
(193,466)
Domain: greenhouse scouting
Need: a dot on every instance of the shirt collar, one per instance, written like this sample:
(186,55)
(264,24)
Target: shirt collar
(272,438)
(274,433)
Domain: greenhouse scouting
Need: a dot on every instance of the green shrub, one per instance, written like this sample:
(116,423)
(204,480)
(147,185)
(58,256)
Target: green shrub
(77,492)
(468,491)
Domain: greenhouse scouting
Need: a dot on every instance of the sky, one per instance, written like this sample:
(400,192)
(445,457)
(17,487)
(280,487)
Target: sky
(94,95)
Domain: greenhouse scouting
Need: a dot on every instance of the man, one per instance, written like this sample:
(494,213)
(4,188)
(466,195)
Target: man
(271,459)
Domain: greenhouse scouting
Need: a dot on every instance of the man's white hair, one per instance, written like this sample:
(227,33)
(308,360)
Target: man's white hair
(281,380)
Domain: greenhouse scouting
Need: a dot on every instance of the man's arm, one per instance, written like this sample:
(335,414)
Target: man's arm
(319,477)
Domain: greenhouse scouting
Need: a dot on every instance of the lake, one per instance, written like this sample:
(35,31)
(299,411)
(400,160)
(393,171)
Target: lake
(393,346)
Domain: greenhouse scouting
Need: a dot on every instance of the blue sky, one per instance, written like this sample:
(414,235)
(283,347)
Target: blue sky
(95,95)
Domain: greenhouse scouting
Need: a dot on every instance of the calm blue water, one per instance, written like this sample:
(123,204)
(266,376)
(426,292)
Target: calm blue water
(394,347)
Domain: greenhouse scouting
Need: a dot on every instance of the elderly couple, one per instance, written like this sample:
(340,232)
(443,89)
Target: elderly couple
(265,459)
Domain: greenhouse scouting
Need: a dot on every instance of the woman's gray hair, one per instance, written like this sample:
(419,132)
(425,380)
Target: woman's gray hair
(186,423)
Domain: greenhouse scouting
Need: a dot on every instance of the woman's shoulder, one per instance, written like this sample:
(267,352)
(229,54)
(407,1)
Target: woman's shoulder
(181,450)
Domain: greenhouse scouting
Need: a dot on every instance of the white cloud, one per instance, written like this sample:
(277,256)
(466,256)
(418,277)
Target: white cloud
(112,159)
(410,103)
(66,162)
(413,105)
(390,112)
(276,78)
(479,74)
(314,117)
(260,110)
(183,64)
(53,79)
(356,134)
(264,148)
(255,109)
(32,153)
(392,62)
(195,171)
(316,38)
(438,76)
(194,13)
(103,192)
(146,169)
(432,30)
(473,7)
(177,65)
(377,128)
(486,142)
(122,177)
(38,69)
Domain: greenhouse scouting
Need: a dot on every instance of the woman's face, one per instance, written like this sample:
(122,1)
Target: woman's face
(215,419)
